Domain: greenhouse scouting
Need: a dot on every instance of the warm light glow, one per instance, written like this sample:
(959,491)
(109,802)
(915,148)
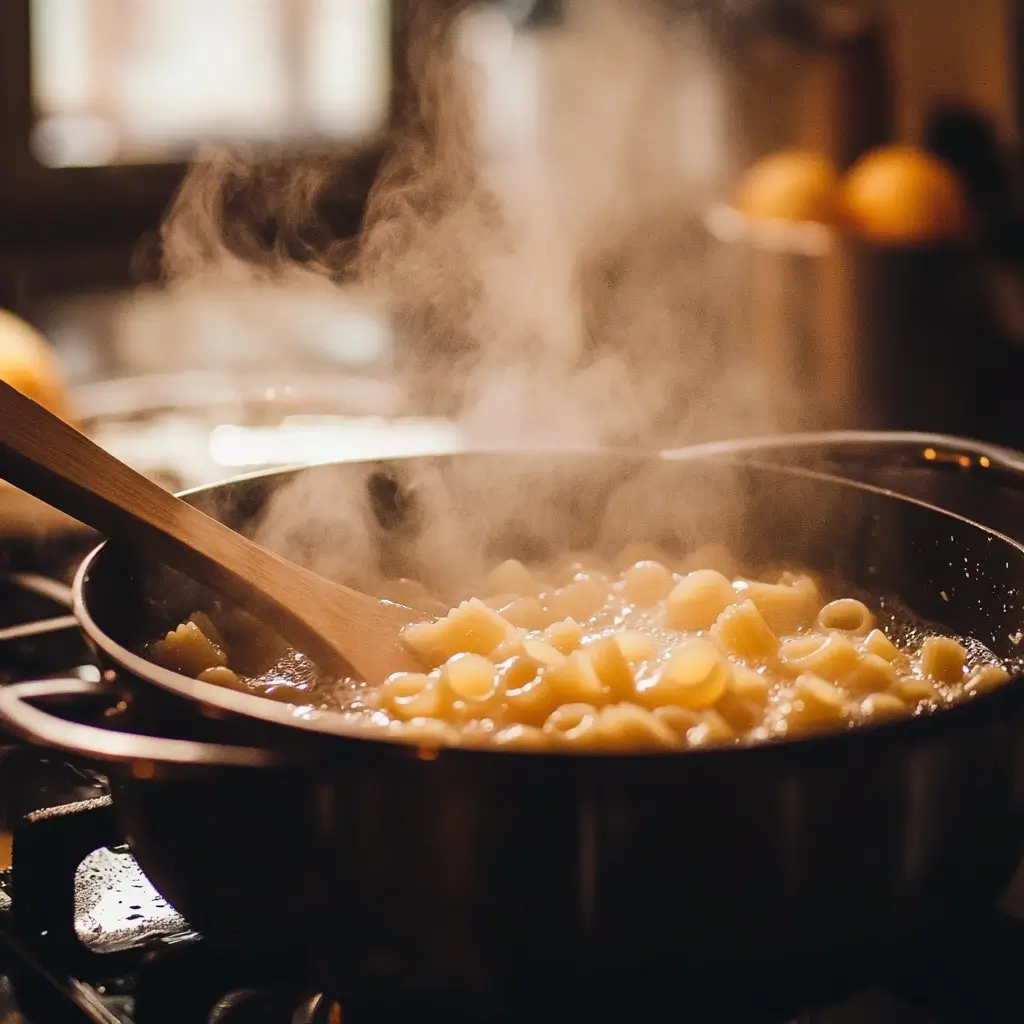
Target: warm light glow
(340,438)
(143,770)
(984,461)
(930,454)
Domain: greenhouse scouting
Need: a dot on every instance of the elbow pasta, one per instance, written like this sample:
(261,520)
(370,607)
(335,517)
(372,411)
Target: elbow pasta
(629,655)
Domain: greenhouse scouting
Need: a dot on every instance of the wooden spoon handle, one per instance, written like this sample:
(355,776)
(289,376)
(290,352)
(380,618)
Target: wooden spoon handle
(43,455)
(50,459)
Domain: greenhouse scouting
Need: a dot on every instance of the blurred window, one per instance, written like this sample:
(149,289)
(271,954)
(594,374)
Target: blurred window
(146,81)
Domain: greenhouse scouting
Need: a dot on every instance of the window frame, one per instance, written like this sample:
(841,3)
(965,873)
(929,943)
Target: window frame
(38,201)
(45,205)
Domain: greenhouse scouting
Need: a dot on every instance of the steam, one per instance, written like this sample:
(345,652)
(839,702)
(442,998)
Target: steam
(538,233)
(534,233)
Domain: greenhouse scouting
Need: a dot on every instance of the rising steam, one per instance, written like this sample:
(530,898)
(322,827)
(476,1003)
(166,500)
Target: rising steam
(535,234)
(534,231)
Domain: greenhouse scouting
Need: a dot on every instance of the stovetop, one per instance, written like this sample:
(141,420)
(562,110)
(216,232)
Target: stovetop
(91,941)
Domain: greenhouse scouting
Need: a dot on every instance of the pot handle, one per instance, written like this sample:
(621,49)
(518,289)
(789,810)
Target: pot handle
(18,711)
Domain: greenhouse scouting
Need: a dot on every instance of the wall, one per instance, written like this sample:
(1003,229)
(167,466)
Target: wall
(964,49)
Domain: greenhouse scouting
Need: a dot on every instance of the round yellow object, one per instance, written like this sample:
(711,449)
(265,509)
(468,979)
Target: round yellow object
(901,195)
(792,186)
(28,364)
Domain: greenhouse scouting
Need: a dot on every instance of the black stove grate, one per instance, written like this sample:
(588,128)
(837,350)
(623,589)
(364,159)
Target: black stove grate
(38,635)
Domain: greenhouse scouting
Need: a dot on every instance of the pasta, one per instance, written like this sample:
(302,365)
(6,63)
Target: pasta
(643,656)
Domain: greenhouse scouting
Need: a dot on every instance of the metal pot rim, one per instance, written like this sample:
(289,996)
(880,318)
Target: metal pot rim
(222,701)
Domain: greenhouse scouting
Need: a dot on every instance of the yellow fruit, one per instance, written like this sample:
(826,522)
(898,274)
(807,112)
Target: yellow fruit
(792,186)
(27,363)
(901,195)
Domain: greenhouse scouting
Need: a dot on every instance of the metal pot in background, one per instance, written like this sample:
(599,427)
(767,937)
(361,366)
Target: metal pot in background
(851,333)
(857,336)
(184,430)
(838,333)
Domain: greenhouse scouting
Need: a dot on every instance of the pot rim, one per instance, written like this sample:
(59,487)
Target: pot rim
(332,726)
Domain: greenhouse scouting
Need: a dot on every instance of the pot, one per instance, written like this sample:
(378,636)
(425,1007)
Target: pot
(975,479)
(470,877)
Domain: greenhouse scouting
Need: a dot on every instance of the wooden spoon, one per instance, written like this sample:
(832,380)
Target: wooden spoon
(334,625)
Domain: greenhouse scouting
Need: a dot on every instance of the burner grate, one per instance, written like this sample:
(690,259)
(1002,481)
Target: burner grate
(38,634)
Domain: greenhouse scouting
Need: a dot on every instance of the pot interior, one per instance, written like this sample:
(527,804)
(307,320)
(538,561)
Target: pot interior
(444,520)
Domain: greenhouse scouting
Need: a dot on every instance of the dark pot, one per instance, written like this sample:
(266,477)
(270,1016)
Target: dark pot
(470,875)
